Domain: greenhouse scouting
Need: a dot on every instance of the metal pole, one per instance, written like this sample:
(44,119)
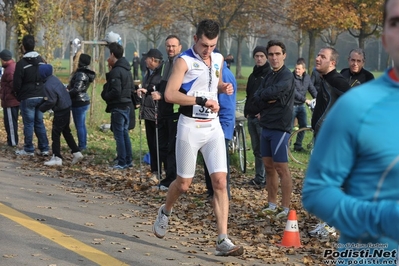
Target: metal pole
(156,136)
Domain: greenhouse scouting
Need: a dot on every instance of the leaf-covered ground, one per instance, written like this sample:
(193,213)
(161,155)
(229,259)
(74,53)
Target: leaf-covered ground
(193,223)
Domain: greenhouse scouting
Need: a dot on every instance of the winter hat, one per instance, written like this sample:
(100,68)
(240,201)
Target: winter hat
(259,49)
(84,60)
(5,55)
(154,53)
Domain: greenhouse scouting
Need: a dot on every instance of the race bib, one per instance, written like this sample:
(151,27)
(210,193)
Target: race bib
(201,111)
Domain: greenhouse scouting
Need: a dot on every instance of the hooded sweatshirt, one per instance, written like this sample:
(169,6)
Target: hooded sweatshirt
(57,97)
(27,81)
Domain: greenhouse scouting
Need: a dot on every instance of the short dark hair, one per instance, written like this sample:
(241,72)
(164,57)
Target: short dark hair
(172,36)
(301,61)
(116,49)
(275,43)
(334,54)
(358,51)
(28,42)
(209,28)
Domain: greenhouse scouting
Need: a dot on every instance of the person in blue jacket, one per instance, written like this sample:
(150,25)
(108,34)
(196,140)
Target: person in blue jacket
(227,118)
(352,181)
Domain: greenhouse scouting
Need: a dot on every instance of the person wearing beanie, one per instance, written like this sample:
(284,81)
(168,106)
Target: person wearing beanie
(28,88)
(255,79)
(58,100)
(9,102)
(80,82)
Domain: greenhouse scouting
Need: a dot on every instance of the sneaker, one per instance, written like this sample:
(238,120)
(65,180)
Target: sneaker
(282,215)
(54,161)
(117,167)
(257,184)
(298,149)
(322,230)
(269,211)
(163,188)
(44,153)
(227,248)
(77,157)
(161,224)
(129,165)
(23,152)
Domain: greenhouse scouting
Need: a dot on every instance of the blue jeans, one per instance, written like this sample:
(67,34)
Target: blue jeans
(32,119)
(120,128)
(79,119)
(255,132)
(301,115)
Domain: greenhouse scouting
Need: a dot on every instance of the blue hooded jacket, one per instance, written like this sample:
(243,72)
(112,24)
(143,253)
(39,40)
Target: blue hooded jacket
(58,98)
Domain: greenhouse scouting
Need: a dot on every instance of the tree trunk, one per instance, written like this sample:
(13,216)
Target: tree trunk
(312,47)
(239,57)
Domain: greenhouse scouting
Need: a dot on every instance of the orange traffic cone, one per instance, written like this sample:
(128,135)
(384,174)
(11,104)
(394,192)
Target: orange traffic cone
(291,232)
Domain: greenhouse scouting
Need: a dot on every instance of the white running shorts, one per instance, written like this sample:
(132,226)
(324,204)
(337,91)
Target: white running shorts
(195,135)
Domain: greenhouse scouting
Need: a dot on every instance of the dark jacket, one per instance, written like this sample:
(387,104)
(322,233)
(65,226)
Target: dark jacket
(316,79)
(27,81)
(275,100)
(166,110)
(78,86)
(333,85)
(57,95)
(302,86)
(151,81)
(254,81)
(357,78)
(136,62)
(118,88)
(7,95)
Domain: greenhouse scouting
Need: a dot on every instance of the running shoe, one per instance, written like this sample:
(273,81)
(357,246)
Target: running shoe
(227,248)
(161,223)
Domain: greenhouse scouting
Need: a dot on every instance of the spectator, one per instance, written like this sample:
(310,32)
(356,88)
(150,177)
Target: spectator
(80,82)
(352,178)
(333,85)
(275,100)
(255,79)
(356,74)
(154,61)
(9,102)
(168,116)
(58,100)
(303,84)
(229,60)
(117,94)
(28,87)
(194,83)
(135,65)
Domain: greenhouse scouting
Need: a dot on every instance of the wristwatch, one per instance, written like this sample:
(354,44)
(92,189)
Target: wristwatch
(201,100)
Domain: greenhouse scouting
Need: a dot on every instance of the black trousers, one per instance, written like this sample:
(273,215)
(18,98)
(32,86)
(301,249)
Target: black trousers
(61,122)
(170,128)
(150,131)
(10,115)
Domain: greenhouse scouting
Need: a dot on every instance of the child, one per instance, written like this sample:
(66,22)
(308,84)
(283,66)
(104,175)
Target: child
(58,99)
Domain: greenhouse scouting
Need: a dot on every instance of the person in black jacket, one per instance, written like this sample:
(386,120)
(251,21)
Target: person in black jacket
(58,100)
(333,85)
(117,94)
(168,116)
(260,71)
(356,74)
(78,86)
(150,86)
(276,100)
(28,88)
(303,84)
